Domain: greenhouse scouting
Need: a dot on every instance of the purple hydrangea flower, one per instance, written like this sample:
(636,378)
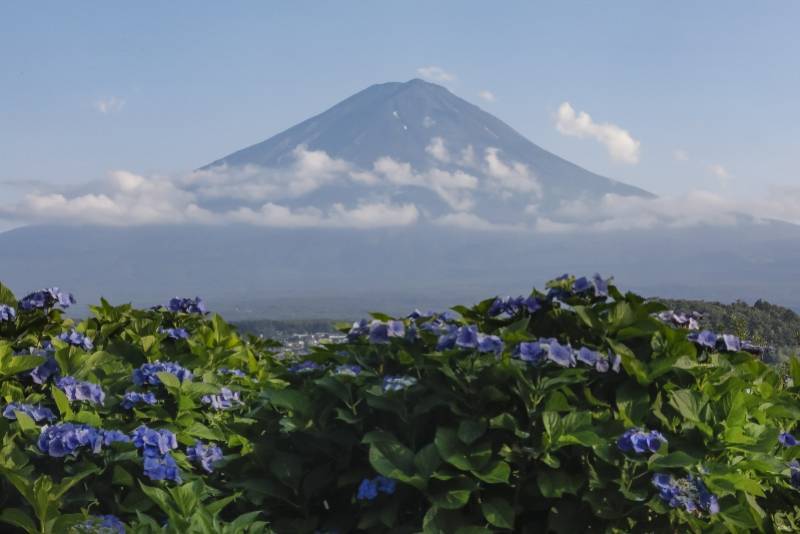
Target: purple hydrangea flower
(233,372)
(304,367)
(67,438)
(161,467)
(156,446)
(490,344)
(205,455)
(730,343)
(187,305)
(114,436)
(132,398)
(398,383)
(467,337)
(378,332)
(42,373)
(417,314)
(147,374)
(348,370)
(787,440)
(175,333)
(7,313)
(37,413)
(560,354)
(531,352)
(76,339)
(77,390)
(638,441)
(706,338)
(224,400)
(369,488)
(794,476)
(396,329)
(511,306)
(45,299)
(689,493)
(447,339)
(358,329)
(105,524)
(588,356)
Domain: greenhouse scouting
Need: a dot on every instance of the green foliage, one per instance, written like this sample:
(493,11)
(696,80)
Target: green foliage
(474,441)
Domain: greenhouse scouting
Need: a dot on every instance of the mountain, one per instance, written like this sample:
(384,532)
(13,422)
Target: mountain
(393,129)
(346,213)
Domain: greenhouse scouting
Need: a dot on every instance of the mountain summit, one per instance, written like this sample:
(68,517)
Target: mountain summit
(418,142)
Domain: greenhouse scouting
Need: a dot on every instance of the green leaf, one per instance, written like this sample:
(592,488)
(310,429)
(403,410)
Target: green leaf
(62,403)
(469,431)
(26,423)
(498,512)
(496,473)
(632,365)
(427,460)
(18,518)
(673,459)
(170,381)
(451,494)
(7,296)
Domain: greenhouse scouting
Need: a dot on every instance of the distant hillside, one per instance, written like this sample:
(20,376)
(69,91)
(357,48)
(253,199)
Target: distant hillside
(762,322)
(277,329)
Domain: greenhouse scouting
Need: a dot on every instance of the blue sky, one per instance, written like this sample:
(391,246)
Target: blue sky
(157,87)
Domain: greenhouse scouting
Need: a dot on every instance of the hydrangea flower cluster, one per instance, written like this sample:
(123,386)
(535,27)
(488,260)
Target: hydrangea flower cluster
(7,313)
(224,400)
(156,446)
(147,374)
(78,390)
(724,342)
(682,320)
(636,440)
(398,383)
(42,373)
(597,285)
(787,440)
(304,367)
(175,333)
(187,305)
(511,306)
(369,488)
(689,493)
(76,339)
(46,298)
(794,473)
(205,455)
(37,413)
(233,372)
(103,524)
(132,398)
(66,438)
(467,337)
(549,349)
(348,370)
(380,332)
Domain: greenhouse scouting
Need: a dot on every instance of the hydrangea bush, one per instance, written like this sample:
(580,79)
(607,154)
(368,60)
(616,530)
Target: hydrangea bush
(572,409)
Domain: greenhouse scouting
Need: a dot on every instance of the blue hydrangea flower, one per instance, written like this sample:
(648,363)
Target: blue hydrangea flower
(45,299)
(161,467)
(205,455)
(152,441)
(77,390)
(37,413)
(447,338)
(560,354)
(187,305)
(582,285)
(101,524)
(787,440)
(531,351)
(396,329)
(42,373)
(147,374)
(76,339)
(467,337)
(224,400)
(636,440)
(358,329)
(66,438)
(132,398)
(348,370)
(7,313)
(398,383)
(304,367)
(369,488)
(794,473)
(689,493)
(488,343)
(600,286)
(729,343)
(233,372)
(378,332)
(511,306)
(417,314)
(114,436)
(588,356)
(175,333)
(683,320)
(706,338)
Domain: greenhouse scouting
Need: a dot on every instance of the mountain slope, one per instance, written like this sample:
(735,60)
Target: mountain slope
(405,121)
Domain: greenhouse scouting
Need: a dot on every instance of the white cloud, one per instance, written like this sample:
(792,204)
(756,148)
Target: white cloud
(364,215)
(452,187)
(620,144)
(718,170)
(428,122)
(109,105)
(470,221)
(437,149)
(515,176)
(436,74)
(487,95)
(680,155)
